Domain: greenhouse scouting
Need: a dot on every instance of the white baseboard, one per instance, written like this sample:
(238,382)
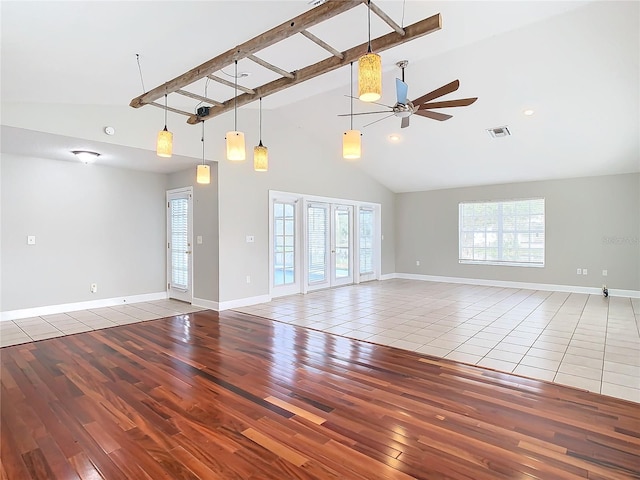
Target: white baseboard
(525,285)
(73,307)
(388,276)
(243,302)
(210,304)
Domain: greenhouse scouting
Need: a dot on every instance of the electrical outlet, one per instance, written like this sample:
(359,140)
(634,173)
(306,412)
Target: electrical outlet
(417,263)
(584,271)
(579,271)
(604,273)
(250,239)
(94,288)
(31,240)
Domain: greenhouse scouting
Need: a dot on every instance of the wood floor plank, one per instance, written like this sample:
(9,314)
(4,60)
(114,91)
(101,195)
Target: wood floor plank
(233,396)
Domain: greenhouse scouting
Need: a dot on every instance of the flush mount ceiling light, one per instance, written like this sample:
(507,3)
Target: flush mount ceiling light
(203,172)
(86,156)
(235,140)
(369,70)
(352,139)
(164,144)
(260,153)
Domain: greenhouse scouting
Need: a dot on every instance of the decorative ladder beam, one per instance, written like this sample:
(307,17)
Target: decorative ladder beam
(386,18)
(322,44)
(171,109)
(199,97)
(285,30)
(390,40)
(269,66)
(231,84)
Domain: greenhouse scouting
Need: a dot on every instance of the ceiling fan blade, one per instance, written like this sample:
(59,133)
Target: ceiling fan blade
(377,103)
(405,122)
(362,113)
(438,92)
(463,102)
(434,115)
(401,91)
(379,120)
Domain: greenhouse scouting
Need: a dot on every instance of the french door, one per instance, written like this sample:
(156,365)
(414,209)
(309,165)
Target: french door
(318,242)
(179,244)
(330,245)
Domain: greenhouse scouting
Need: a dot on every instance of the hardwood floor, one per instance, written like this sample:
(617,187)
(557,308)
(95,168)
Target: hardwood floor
(234,396)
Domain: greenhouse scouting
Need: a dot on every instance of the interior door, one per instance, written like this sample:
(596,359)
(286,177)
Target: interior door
(179,244)
(341,245)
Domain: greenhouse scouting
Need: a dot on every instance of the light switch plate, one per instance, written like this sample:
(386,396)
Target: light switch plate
(31,240)
(199,239)
(249,238)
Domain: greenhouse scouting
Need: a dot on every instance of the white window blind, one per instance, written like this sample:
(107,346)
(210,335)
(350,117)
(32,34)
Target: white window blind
(284,243)
(317,230)
(179,243)
(502,233)
(366,240)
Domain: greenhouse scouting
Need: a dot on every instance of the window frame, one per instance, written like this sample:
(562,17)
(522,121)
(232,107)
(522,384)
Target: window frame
(500,232)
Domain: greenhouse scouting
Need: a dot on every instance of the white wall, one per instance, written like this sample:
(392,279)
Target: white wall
(92,225)
(591,223)
(298,163)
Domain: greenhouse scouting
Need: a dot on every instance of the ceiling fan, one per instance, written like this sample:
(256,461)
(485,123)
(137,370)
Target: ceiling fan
(420,106)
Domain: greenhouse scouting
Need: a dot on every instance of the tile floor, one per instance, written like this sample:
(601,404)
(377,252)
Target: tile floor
(586,341)
(51,326)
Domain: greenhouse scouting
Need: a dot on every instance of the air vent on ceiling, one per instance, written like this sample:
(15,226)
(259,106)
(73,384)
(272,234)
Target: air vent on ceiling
(497,132)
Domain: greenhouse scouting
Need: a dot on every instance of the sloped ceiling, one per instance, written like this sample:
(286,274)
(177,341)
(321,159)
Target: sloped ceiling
(576,64)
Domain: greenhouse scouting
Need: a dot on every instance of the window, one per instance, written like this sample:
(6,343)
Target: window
(284,243)
(502,233)
(366,240)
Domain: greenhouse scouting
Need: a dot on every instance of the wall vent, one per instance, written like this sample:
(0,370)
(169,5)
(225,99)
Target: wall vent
(497,132)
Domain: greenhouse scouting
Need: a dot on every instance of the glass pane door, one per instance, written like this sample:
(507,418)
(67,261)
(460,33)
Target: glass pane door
(179,252)
(342,245)
(285,268)
(318,246)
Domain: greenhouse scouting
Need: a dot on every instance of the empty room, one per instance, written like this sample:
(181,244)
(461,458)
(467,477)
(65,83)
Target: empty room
(328,239)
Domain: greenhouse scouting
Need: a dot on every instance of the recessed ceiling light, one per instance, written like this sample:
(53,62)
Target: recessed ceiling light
(394,137)
(85,156)
(528,112)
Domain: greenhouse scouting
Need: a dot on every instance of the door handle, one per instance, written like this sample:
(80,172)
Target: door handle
(188,252)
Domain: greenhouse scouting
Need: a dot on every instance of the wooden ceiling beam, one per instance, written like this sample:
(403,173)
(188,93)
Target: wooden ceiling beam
(199,97)
(269,66)
(171,109)
(386,18)
(231,84)
(322,44)
(285,30)
(390,40)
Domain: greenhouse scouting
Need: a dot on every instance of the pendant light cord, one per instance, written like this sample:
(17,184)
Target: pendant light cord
(260,122)
(165,111)
(351,95)
(235,99)
(369,24)
(140,70)
(202,139)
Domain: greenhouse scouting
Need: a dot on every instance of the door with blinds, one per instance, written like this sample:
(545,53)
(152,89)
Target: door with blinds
(329,245)
(179,244)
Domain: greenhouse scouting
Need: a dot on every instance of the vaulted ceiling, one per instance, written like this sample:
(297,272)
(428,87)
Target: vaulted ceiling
(575,63)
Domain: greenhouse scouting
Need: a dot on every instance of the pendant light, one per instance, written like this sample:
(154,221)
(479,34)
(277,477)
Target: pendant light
(164,144)
(260,153)
(351,140)
(235,139)
(369,71)
(203,172)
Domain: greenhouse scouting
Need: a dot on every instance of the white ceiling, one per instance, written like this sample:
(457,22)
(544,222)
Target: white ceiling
(575,63)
